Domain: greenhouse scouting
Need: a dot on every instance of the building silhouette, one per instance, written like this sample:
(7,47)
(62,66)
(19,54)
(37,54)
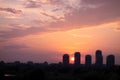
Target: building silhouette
(98,58)
(77,60)
(65,59)
(110,60)
(88,60)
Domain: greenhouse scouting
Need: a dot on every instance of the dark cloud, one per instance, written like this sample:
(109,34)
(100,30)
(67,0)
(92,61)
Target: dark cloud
(38,3)
(118,28)
(14,46)
(20,32)
(11,10)
(102,12)
(52,17)
(56,2)
(32,4)
(2,40)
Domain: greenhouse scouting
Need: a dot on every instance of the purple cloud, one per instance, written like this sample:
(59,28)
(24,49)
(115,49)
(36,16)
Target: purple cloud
(15,46)
(11,10)
(32,4)
(105,13)
(108,11)
(19,32)
(52,17)
(39,3)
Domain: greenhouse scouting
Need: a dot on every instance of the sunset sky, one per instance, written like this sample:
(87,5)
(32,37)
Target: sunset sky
(44,30)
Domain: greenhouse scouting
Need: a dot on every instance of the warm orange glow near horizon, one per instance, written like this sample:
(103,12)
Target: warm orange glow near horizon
(83,40)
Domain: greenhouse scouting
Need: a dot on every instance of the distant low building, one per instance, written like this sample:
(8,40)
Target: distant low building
(30,62)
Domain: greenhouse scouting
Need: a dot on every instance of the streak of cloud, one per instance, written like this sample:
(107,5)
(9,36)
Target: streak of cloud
(11,10)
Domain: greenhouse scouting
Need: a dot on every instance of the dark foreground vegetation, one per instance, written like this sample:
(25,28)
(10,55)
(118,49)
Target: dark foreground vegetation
(30,71)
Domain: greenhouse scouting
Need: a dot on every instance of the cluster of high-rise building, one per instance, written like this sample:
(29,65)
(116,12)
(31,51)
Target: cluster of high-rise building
(110,59)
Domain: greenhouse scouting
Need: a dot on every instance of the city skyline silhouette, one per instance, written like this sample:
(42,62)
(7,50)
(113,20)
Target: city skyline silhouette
(88,60)
(110,59)
(44,71)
